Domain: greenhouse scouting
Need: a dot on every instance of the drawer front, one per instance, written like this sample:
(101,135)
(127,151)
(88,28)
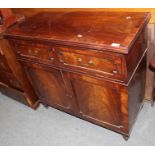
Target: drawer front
(9,80)
(39,52)
(103,65)
(95,63)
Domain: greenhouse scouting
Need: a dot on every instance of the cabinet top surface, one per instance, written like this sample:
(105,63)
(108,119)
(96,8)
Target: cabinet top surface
(114,31)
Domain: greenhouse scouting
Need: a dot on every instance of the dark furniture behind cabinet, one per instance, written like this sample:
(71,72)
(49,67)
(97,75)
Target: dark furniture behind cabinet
(89,64)
(13,80)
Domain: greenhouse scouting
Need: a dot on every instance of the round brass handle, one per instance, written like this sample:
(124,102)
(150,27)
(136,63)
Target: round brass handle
(33,52)
(79,59)
(18,52)
(114,71)
(29,51)
(36,52)
(90,62)
(52,59)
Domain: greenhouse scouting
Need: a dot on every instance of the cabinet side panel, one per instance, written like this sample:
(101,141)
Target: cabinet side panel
(136,53)
(136,91)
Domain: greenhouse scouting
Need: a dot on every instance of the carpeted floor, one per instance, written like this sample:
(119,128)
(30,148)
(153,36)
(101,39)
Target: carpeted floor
(20,125)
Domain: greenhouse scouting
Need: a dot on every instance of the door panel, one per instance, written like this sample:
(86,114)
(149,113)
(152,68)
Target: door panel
(98,100)
(50,86)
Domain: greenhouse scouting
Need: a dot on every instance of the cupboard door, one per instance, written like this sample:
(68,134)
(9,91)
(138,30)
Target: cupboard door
(50,86)
(98,100)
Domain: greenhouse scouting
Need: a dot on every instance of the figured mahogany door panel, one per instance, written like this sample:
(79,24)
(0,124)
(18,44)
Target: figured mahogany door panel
(98,63)
(35,51)
(50,86)
(98,100)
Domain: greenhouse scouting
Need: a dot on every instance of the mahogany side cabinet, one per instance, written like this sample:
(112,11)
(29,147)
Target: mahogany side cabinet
(89,64)
(13,80)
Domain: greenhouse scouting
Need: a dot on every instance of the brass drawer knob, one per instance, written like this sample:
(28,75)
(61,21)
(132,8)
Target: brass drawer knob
(90,62)
(36,52)
(18,52)
(33,52)
(114,71)
(29,51)
(79,59)
(68,95)
(52,59)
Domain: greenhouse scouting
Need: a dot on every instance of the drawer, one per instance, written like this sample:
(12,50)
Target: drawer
(101,64)
(92,62)
(34,51)
(9,80)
